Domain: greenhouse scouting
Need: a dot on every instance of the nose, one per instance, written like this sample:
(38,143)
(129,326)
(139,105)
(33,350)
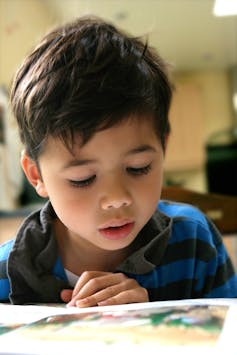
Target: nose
(116,195)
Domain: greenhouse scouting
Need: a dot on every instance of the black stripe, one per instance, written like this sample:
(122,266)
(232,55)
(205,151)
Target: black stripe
(186,288)
(189,249)
(223,273)
(173,291)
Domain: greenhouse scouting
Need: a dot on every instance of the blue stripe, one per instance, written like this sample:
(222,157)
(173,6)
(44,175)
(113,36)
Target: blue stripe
(182,210)
(222,254)
(188,269)
(58,270)
(4,289)
(164,275)
(209,269)
(176,271)
(5,249)
(229,289)
(190,230)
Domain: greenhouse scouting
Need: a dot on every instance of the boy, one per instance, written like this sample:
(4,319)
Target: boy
(92,108)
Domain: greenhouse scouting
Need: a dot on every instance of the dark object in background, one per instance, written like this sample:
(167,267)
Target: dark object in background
(221,164)
(221,149)
(220,208)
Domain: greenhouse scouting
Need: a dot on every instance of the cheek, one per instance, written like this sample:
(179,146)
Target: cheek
(153,193)
(76,204)
(73,206)
(75,216)
(151,190)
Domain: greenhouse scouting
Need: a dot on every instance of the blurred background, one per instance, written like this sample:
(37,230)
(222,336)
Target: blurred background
(202,50)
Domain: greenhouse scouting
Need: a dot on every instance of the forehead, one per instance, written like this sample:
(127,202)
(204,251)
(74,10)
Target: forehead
(127,133)
(127,130)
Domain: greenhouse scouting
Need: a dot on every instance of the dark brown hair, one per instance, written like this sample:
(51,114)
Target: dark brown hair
(87,76)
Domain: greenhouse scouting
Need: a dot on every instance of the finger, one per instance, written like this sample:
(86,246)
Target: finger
(83,289)
(66,295)
(99,283)
(84,278)
(130,296)
(108,293)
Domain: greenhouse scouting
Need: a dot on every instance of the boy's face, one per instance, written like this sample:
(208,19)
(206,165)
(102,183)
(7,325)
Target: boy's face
(107,191)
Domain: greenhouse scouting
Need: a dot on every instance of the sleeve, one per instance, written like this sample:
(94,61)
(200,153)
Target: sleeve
(215,274)
(4,280)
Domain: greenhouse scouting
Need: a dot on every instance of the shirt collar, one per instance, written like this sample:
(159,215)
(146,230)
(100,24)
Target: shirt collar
(150,246)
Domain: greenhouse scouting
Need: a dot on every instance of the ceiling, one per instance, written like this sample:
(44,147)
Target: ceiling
(185,32)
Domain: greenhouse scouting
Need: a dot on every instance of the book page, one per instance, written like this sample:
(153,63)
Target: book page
(180,326)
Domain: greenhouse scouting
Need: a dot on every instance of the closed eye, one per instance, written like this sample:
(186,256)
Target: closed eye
(83,183)
(139,171)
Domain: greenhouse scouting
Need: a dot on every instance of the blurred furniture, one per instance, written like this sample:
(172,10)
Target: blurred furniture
(221,209)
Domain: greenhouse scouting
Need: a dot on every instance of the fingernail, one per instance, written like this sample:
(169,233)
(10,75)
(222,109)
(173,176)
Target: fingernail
(83,302)
(70,304)
(102,303)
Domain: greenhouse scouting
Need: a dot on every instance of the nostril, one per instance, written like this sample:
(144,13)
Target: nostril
(115,203)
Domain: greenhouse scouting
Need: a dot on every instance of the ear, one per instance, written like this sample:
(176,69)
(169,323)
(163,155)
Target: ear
(33,174)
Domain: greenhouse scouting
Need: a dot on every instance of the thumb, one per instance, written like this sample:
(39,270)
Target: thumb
(66,295)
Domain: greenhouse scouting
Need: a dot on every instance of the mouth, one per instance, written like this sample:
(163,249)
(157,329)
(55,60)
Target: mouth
(117,230)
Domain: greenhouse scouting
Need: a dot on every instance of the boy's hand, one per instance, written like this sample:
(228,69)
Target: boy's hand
(97,288)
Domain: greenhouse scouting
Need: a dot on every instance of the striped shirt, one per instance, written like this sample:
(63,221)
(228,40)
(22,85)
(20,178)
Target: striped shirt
(179,254)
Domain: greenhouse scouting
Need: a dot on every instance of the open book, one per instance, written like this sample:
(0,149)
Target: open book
(208,326)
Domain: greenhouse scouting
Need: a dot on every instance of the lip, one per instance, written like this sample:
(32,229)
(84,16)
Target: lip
(116,223)
(116,230)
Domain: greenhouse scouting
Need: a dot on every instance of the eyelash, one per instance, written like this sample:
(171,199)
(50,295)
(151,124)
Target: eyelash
(132,171)
(82,183)
(140,171)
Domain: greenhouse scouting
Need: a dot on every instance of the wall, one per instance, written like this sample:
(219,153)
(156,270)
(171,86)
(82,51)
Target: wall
(22,23)
(217,115)
(215,87)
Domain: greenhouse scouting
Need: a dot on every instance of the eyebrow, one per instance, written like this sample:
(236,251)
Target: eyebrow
(83,162)
(78,162)
(141,149)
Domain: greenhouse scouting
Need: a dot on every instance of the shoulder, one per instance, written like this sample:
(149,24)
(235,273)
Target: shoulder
(5,250)
(180,210)
(189,222)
